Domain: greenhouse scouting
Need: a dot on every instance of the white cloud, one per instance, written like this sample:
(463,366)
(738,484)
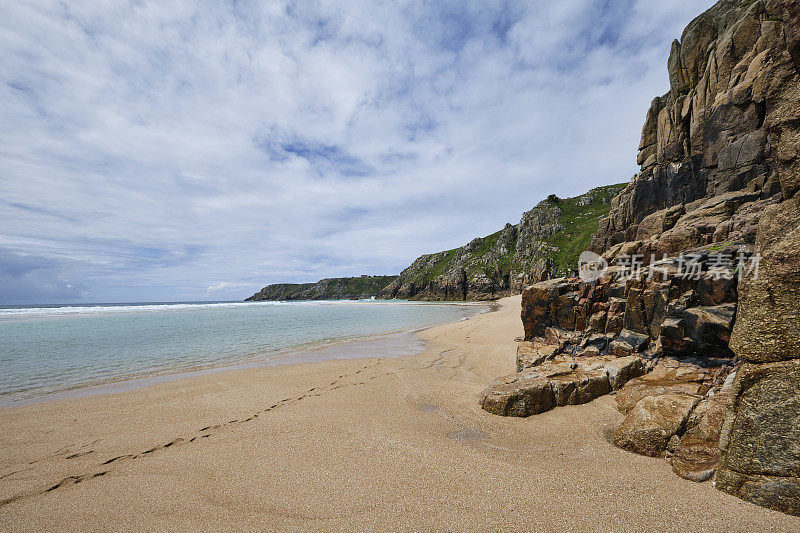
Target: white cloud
(151,148)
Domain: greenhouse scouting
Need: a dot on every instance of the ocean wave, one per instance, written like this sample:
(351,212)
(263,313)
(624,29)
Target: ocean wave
(29,312)
(128,308)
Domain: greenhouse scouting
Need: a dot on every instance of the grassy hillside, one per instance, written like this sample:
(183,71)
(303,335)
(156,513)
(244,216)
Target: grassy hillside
(546,242)
(325,289)
(579,223)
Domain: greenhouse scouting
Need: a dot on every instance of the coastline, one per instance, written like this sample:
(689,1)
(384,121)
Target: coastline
(344,444)
(392,343)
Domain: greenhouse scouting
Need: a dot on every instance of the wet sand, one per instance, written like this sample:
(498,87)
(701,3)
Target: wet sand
(396,444)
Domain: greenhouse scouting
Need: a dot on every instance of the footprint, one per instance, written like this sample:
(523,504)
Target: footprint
(117,458)
(79,454)
(71,480)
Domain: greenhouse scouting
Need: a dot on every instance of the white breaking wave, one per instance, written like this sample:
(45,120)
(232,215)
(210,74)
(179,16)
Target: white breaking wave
(142,308)
(23,312)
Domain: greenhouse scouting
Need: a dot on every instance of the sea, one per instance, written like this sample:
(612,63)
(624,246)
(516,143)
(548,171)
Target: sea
(54,351)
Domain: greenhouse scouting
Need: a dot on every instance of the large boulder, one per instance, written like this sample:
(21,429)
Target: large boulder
(649,426)
(542,301)
(579,387)
(697,455)
(557,381)
(761,436)
(518,395)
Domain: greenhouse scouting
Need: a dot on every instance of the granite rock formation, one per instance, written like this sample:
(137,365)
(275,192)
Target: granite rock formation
(658,340)
(720,164)
(720,174)
(722,144)
(760,441)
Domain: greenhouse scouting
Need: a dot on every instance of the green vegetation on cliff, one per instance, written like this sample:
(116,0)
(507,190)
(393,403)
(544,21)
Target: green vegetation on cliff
(546,242)
(325,289)
(578,219)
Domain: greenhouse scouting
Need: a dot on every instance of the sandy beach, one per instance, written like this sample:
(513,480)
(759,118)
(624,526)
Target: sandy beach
(361,444)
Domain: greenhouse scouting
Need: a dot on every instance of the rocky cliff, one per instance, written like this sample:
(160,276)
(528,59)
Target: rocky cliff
(546,242)
(721,145)
(325,289)
(719,155)
(702,343)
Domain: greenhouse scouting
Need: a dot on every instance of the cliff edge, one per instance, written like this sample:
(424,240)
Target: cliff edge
(545,243)
(356,288)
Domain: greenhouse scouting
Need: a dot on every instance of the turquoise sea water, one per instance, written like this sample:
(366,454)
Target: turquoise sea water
(44,350)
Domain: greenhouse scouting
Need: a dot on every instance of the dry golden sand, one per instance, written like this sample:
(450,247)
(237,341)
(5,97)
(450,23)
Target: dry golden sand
(397,444)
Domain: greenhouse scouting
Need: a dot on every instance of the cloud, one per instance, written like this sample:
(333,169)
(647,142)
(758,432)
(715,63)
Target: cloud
(226,290)
(325,159)
(26,278)
(152,149)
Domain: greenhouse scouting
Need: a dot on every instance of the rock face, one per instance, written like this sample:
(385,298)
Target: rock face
(504,262)
(720,168)
(676,316)
(761,437)
(719,182)
(653,421)
(663,338)
(723,143)
(325,289)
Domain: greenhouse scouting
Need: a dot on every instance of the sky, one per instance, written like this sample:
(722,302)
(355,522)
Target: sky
(177,151)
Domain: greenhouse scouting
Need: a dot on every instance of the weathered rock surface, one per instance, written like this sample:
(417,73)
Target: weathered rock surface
(518,395)
(556,381)
(697,456)
(677,316)
(653,421)
(761,436)
(668,377)
(623,369)
(541,303)
(724,141)
(580,386)
(778,493)
(695,459)
(530,354)
(768,327)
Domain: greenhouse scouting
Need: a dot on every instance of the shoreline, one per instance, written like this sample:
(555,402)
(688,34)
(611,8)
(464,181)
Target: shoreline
(346,444)
(382,343)
(299,356)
